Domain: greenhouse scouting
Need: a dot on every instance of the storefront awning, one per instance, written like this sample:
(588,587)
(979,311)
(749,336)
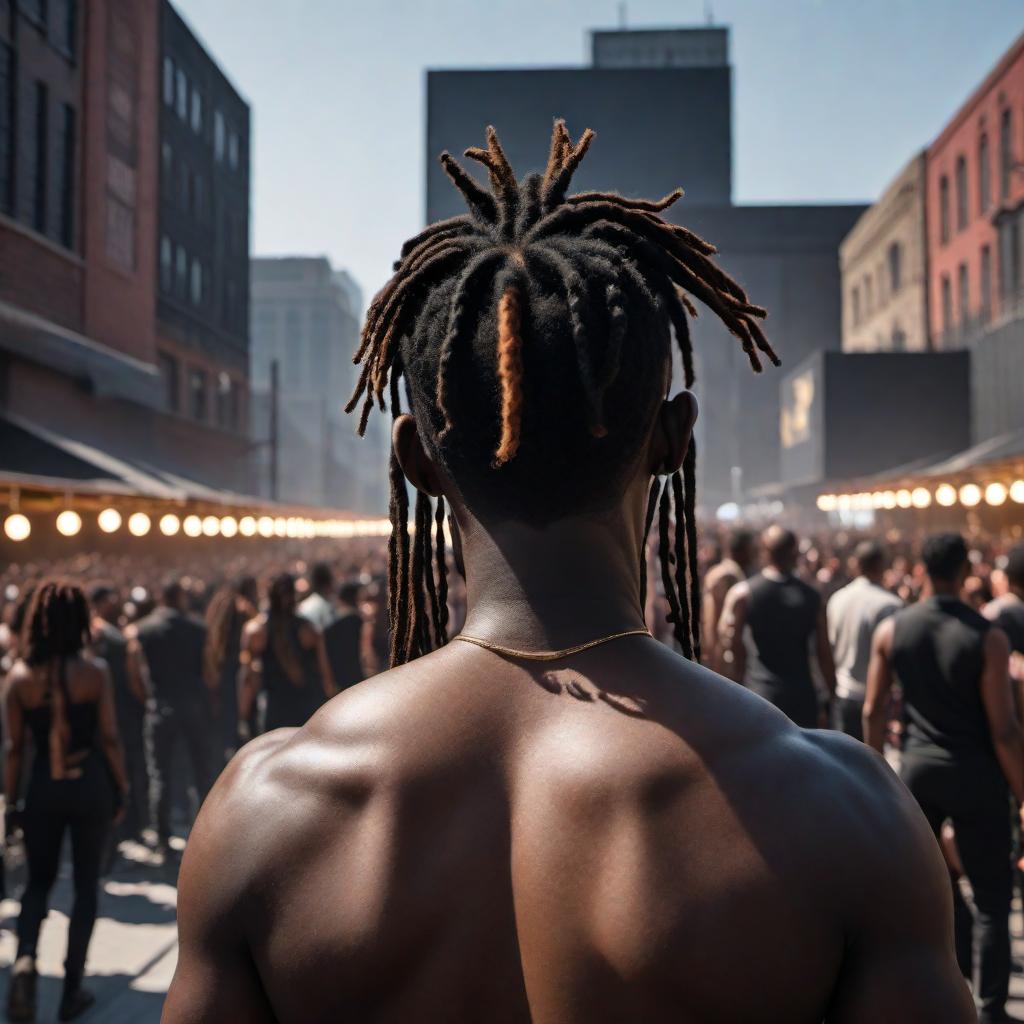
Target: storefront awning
(109,374)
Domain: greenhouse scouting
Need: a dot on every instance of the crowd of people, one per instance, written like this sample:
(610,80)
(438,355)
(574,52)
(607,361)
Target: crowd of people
(137,685)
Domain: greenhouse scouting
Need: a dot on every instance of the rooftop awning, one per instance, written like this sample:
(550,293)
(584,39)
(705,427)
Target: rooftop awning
(108,373)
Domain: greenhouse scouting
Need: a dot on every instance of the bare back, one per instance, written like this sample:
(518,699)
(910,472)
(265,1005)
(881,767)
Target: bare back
(632,839)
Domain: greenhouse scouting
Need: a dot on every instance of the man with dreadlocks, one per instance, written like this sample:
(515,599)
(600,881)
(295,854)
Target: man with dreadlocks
(553,817)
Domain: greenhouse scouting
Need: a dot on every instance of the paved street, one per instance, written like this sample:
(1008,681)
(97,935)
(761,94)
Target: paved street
(133,950)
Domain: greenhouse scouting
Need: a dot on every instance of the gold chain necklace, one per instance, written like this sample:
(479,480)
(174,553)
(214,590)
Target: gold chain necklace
(511,652)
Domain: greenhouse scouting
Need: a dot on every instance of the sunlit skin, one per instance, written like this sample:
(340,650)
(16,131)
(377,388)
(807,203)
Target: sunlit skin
(618,836)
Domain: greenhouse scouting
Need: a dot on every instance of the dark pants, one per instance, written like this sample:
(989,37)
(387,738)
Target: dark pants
(164,724)
(972,793)
(85,807)
(846,716)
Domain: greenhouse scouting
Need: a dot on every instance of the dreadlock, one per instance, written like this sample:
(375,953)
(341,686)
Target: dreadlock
(56,629)
(540,314)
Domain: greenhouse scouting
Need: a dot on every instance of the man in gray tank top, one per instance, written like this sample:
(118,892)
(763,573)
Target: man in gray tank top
(964,752)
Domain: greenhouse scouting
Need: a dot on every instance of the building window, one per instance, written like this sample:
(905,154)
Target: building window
(198,196)
(182,95)
(166,264)
(943,209)
(67,176)
(6,127)
(167,168)
(218,135)
(899,339)
(226,401)
(1005,152)
(895,268)
(197,111)
(233,151)
(169,81)
(1009,259)
(65,26)
(964,295)
(172,383)
(985,304)
(869,297)
(984,176)
(197,394)
(34,10)
(181,272)
(40,175)
(961,193)
(855,303)
(196,283)
(947,306)
(184,186)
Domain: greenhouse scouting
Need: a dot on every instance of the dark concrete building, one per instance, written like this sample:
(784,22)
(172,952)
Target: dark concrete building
(203,284)
(660,102)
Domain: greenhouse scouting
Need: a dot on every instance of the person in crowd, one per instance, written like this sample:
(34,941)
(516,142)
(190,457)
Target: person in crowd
(110,645)
(232,606)
(1007,611)
(963,754)
(771,624)
(61,696)
(319,607)
(283,656)
(343,638)
(737,564)
(553,817)
(853,614)
(165,655)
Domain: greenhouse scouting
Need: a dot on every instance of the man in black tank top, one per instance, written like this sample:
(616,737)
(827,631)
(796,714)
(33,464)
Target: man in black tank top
(964,752)
(771,623)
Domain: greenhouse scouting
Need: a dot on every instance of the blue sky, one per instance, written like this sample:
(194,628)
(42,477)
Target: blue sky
(830,97)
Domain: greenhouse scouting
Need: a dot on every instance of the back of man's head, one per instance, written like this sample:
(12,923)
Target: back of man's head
(172,594)
(740,545)
(348,593)
(781,547)
(321,577)
(869,556)
(945,557)
(1015,568)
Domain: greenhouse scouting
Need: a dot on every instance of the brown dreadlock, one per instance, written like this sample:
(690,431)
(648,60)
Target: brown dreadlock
(532,305)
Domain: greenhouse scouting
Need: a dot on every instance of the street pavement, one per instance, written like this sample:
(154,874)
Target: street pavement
(134,947)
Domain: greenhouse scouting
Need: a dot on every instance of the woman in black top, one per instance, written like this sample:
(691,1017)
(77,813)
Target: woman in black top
(285,657)
(65,700)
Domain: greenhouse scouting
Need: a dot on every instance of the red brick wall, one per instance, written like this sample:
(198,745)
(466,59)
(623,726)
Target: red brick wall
(120,299)
(38,276)
(982,113)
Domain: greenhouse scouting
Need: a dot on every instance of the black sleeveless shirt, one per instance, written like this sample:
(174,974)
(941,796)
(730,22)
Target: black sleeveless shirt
(938,655)
(782,616)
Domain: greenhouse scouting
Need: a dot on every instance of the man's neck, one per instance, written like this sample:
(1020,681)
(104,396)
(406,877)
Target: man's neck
(551,587)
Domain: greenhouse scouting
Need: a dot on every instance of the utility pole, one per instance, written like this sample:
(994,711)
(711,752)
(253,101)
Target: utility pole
(275,436)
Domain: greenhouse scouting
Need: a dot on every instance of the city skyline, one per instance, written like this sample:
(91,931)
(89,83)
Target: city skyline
(801,133)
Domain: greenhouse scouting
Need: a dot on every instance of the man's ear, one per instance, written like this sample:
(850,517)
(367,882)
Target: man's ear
(672,431)
(416,464)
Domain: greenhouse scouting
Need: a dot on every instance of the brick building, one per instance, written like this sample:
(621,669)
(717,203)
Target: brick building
(883,262)
(975,203)
(82,314)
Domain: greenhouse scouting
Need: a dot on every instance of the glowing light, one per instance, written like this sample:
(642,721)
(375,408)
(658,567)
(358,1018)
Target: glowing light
(211,526)
(138,524)
(247,526)
(1017,491)
(265,526)
(904,499)
(69,523)
(970,495)
(280,527)
(193,526)
(995,494)
(109,520)
(17,527)
(170,524)
(827,502)
(945,495)
(229,527)
(889,499)
(921,497)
